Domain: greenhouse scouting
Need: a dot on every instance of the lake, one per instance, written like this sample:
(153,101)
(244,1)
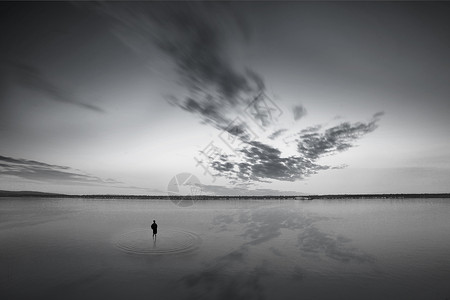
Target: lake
(259,249)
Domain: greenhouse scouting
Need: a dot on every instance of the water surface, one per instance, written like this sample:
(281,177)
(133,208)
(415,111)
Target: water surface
(321,249)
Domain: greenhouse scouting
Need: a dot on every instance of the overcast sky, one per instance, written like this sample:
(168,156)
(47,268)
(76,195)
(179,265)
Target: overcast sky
(250,97)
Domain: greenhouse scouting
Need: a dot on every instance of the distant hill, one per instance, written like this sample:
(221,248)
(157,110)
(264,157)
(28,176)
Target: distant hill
(28,194)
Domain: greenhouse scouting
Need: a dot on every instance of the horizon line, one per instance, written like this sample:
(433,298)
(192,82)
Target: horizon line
(5,193)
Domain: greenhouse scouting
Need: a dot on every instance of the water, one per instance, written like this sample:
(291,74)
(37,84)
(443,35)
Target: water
(339,249)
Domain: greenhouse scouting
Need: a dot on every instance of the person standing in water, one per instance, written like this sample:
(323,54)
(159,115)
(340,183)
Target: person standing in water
(154,228)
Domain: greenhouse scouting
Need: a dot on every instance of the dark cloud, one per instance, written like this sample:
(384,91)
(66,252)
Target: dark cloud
(277,133)
(313,144)
(262,162)
(190,34)
(378,114)
(299,112)
(208,110)
(39,171)
(263,110)
(196,37)
(257,79)
(32,78)
(311,129)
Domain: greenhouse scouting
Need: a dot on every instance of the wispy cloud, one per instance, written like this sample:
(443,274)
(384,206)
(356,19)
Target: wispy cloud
(191,36)
(47,173)
(335,139)
(32,78)
(299,112)
(277,133)
(243,190)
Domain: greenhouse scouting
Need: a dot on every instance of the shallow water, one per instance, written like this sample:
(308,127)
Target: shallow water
(336,249)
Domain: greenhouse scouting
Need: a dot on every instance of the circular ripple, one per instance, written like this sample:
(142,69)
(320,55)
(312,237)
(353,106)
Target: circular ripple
(168,241)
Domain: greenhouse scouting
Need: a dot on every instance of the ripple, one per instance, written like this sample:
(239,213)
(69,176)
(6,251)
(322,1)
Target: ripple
(168,241)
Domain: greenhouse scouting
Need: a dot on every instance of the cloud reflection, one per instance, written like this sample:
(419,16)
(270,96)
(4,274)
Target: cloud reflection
(227,276)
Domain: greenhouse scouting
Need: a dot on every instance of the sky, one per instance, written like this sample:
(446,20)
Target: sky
(247,98)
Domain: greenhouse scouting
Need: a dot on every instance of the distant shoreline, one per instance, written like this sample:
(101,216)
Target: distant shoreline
(210,197)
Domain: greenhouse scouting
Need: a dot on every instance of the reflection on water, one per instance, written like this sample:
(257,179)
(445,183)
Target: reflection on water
(346,249)
(170,241)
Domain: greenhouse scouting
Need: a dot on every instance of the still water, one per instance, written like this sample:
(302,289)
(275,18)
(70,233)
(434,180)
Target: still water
(321,249)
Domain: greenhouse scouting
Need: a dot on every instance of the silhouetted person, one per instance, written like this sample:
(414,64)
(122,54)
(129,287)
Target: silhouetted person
(154,228)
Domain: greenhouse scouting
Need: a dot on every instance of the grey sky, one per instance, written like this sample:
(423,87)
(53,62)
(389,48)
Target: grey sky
(295,96)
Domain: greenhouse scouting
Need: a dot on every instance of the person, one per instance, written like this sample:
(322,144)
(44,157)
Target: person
(154,228)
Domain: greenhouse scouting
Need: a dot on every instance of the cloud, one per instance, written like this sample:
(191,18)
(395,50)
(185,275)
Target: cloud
(311,129)
(196,37)
(277,133)
(243,190)
(39,171)
(32,78)
(313,144)
(262,162)
(299,112)
(379,114)
(190,34)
